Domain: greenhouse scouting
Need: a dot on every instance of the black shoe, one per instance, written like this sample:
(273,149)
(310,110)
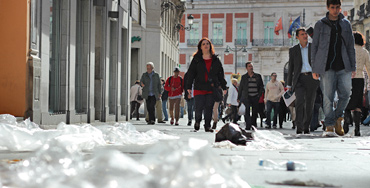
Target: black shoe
(151,123)
(214,125)
(208,130)
(268,127)
(281,126)
(306,132)
(137,119)
(196,126)
(177,123)
(161,122)
(223,120)
(189,123)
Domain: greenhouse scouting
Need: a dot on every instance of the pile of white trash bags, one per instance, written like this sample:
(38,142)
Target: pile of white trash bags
(71,156)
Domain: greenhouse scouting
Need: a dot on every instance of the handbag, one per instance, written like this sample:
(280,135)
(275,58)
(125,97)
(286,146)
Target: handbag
(139,97)
(216,92)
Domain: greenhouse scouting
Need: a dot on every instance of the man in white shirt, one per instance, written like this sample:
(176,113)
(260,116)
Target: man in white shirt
(274,91)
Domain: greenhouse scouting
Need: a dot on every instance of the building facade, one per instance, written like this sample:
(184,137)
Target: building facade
(158,42)
(359,16)
(74,61)
(248,24)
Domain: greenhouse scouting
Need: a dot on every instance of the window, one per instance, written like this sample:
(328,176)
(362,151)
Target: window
(241,33)
(82,56)
(217,37)
(268,32)
(241,60)
(194,35)
(266,79)
(55,77)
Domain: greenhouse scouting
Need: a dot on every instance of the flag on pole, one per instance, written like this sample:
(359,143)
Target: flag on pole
(278,26)
(294,26)
(290,23)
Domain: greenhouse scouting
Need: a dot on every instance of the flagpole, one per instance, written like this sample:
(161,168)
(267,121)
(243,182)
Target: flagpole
(282,21)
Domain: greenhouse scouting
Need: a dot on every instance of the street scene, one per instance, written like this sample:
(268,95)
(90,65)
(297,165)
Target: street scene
(184,93)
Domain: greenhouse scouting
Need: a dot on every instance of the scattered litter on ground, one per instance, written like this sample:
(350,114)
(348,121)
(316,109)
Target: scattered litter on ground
(270,140)
(28,136)
(170,164)
(190,165)
(296,182)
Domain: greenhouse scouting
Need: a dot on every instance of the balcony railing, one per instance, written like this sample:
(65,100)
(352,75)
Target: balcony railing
(217,42)
(193,42)
(243,42)
(271,42)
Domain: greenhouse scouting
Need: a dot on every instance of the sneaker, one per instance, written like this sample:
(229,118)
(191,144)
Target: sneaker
(189,123)
(268,127)
(329,129)
(338,127)
(171,121)
(196,126)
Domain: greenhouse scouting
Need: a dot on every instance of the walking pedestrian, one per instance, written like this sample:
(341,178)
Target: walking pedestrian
(151,90)
(207,74)
(358,82)
(189,97)
(174,85)
(250,90)
(164,101)
(334,61)
(283,108)
(300,81)
(135,92)
(273,93)
(232,100)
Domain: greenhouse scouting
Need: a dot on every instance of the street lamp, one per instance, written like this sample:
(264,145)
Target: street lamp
(227,52)
(190,23)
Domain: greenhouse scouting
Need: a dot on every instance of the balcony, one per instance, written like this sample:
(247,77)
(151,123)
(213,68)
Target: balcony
(271,42)
(361,12)
(367,8)
(192,42)
(242,42)
(217,42)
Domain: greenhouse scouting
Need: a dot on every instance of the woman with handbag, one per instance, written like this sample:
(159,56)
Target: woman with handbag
(232,100)
(135,99)
(207,74)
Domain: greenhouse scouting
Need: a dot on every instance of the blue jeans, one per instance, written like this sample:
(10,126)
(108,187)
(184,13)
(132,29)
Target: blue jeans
(269,106)
(331,82)
(191,108)
(164,109)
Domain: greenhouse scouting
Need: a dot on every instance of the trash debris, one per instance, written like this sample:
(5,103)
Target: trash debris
(287,165)
(296,182)
(270,140)
(226,144)
(233,133)
(191,165)
(28,136)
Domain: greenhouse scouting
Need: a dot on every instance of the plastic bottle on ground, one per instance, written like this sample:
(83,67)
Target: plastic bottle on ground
(287,165)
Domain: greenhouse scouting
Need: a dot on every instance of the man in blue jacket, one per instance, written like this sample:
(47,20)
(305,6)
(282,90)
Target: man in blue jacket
(333,60)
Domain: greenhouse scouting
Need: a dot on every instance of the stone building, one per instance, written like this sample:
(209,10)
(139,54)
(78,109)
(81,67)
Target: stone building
(248,24)
(359,16)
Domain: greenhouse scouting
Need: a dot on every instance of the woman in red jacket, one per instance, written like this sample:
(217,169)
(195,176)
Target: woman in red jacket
(175,86)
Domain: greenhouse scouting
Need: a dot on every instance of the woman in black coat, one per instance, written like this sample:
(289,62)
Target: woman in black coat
(207,73)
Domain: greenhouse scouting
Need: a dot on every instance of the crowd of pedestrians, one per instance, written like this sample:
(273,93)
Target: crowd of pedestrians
(327,78)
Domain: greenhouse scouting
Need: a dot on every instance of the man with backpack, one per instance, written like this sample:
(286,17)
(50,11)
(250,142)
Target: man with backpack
(175,86)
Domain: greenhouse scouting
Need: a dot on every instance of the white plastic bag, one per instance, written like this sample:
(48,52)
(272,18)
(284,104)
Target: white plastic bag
(241,110)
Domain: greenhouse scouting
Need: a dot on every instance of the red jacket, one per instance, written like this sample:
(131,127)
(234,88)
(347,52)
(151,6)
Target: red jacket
(177,83)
